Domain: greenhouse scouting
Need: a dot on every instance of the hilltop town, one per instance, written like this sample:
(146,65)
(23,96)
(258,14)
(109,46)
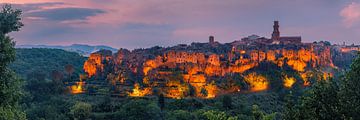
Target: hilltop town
(206,70)
(275,76)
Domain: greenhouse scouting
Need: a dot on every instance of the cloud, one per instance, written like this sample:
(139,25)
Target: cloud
(33,6)
(65,14)
(351,14)
(145,23)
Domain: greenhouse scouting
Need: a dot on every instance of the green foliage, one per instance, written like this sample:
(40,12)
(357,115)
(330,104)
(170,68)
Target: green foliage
(290,111)
(139,110)
(330,99)
(180,115)
(105,105)
(57,108)
(319,102)
(185,104)
(227,101)
(350,91)
(217,115)
(7,51)
(81,110)
(161,101)
(11,113)
(271,116)
(322,101)
(10,85)
(10,19)
(10,88)
(258,114)
(44,98)
(45,61)
(39,88)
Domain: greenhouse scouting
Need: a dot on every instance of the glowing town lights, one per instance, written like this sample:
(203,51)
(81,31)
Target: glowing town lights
(297,65)
(242,51)
(289,81)
(146,70)
(256,82)
(78,88)
(326,75)
(137,92)
(90,67)
(180,73)
(95,63)
(211,90)
(305,76)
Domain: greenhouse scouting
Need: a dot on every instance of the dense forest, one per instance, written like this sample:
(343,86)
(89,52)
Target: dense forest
(42,60)
(38,90)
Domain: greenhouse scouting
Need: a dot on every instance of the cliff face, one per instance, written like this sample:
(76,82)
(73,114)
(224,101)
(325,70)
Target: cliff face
(95,63)
(190,71)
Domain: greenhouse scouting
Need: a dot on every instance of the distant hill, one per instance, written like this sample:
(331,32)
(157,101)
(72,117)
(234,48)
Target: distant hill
(44,60)
(84,50)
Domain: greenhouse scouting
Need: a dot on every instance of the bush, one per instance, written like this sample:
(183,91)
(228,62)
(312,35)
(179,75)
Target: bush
(180,115)
(139,110)
(81,110)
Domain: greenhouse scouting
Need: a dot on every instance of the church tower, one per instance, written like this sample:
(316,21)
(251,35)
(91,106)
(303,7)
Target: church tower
(276,33)
(211,39)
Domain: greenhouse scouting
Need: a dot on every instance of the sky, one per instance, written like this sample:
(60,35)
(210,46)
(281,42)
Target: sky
(146,23)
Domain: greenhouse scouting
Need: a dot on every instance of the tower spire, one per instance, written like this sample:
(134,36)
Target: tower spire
(211,39)
(276,33)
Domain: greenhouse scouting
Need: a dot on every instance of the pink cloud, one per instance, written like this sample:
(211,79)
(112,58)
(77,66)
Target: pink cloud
(24,1)
(187,21)
(351,14)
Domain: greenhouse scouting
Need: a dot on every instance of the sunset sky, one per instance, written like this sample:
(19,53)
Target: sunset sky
(145,23)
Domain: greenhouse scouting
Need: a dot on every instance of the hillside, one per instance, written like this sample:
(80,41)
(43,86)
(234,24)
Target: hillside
(43,60)
(84,50)
(208,70)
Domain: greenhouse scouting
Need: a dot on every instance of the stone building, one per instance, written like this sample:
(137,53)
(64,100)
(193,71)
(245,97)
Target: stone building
(278,39)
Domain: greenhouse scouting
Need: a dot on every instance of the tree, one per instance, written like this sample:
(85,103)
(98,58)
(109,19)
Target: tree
(69,70)
(320,102)
(227,101)
(138,110)
(290,111)
(179,115)
(258,114)
(57,77)
(161,101)
(81,110)
(329,99)
(350,91)
(38,87)
(192,92)
(217,115)
(203,92)
(10,85)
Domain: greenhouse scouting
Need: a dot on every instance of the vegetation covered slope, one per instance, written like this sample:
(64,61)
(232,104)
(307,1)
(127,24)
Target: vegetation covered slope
(30,60)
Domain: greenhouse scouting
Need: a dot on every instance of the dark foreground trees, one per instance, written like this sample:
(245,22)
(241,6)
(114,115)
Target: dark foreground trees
(350,91)
(329,99)
(10,90)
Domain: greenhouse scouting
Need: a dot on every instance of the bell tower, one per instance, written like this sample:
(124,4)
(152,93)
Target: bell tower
(276,33)
(211,39)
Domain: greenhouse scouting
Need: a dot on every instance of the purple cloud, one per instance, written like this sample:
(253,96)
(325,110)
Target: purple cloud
(65,14)
(351,14)
(146,23)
